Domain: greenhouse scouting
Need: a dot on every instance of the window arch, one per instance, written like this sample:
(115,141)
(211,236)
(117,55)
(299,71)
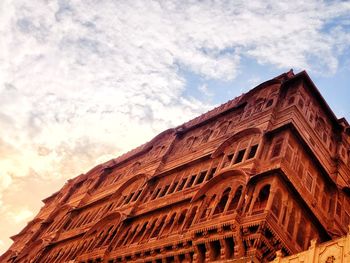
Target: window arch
(150,229)
(140,233)
(235,199)
(168,224)
(277,204)
(158,228)
(208,207)
(191,217)
(261,201)
(220,207)
(180,220)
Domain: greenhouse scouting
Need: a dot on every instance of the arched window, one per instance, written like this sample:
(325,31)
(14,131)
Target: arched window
(235,199)
(169,224)
(112,235)
(159,226)
(122,238)
(220,207)
(208,207)
(104,237)
(180,220)
(140,233)
(277,204)
(149,229)
(191,217)
(261,201)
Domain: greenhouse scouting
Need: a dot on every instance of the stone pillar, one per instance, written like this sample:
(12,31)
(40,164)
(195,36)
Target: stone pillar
(225,250)
(207,252)
(239,246)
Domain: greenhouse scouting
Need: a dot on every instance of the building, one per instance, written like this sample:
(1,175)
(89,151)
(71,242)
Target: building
(337,250)
(263,173)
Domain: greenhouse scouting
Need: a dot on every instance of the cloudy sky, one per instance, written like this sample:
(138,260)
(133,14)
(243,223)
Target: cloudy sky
(83,81)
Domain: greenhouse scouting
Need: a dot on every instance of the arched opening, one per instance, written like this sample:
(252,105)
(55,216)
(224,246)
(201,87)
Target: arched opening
(220,207)
(159,227)
(169,224)
(235,199)
(104,237)
(208,207)
(180,221)
(277,204)
(149,230)
(140,233)
(261,200)
(191,217)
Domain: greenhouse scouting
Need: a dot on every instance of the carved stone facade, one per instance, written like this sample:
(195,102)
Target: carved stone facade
(334,251)
(267,171)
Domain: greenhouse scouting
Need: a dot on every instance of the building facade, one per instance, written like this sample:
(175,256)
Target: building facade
(333,251)
(263,173)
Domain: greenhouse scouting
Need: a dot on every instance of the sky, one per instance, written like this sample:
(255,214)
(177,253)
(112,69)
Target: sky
(84,81)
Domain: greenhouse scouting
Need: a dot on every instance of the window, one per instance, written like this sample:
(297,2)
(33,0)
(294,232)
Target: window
(300,170)
(156,193)
(252,151)
(201,177)
(211,174)
(173,187)
(181,220)
(309,181)
(181,186)
(191,217)
(137,195)
(168,225)
(159,227)
(276,150)
(190,183)
(235,199)
(164,190)
(269,103)
(207,209)
(277,204)
(261,201)
(220,207)
(128,198)
(240,156)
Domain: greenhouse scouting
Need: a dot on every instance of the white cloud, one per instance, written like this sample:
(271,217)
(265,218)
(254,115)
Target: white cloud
(80,80)
(21,216)
(205,90)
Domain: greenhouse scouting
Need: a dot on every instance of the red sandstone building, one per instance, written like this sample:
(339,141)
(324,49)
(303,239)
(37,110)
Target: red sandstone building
(264,172)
